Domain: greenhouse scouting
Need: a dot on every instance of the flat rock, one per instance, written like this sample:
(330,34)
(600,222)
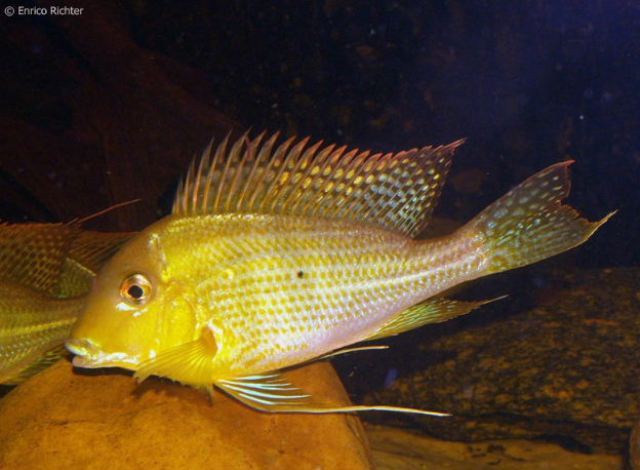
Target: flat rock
(564,368)
(396,449)
(61,419)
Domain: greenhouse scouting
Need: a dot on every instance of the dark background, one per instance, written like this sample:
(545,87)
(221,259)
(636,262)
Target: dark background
(112,104)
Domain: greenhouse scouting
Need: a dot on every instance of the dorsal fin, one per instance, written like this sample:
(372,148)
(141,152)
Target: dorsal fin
(394,191)
(33,254)
(92,249)
(86,255)
(44,256)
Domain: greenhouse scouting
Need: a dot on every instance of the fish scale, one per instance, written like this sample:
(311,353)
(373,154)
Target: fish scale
(32,323)
(44,271)
(278,254)
(336,282)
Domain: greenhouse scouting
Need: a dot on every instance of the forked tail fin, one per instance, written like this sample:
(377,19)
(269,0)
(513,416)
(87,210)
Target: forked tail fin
(530,223)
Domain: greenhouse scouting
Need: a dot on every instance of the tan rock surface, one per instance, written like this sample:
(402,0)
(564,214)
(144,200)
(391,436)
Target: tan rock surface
(61,420)
(396,449)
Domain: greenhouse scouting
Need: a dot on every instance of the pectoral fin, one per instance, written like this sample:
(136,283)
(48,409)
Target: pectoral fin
(274,394)
(189,363)
(432,311)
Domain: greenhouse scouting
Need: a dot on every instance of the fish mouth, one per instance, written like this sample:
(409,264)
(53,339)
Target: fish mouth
(80,347)
(84,362)
(88,356)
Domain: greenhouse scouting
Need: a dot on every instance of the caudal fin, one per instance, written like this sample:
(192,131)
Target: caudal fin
(530,223)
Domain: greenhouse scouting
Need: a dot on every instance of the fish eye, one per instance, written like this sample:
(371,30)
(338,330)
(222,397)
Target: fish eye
(136,289)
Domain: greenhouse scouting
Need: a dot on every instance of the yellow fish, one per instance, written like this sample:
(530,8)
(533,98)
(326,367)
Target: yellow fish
(33,328)
(46,270)
(278,254)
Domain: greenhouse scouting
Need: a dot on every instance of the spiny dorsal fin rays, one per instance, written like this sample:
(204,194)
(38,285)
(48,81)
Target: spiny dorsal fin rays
(280,161)
(251,157)
(208,167)
(183,188)
(232,168)
(394,191)
(297,200)
(349,160)
(202,167)
(258,170)
(292,196)
(275,166)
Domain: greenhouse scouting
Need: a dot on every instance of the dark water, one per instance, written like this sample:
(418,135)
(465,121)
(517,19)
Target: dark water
(112,104)
(528,83)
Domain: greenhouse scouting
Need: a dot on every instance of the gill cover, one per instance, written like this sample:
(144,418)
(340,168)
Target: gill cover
(123,321)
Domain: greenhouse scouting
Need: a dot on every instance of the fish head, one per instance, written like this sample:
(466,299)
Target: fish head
(134,310)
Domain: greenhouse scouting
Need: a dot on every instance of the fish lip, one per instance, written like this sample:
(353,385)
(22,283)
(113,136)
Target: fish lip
(89,356)
(80,347)
(83,362)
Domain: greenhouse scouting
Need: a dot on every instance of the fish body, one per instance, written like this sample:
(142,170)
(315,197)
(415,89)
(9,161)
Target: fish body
(279,290)
(33,327)
(46,270)
(275,256)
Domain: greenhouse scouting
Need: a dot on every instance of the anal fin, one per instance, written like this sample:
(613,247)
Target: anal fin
(434,310)
(274,394)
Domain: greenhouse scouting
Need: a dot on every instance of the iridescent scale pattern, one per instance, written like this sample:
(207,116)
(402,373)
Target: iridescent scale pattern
(282,290)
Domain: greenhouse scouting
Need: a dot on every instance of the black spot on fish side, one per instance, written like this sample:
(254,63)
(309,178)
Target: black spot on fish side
(300,274)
